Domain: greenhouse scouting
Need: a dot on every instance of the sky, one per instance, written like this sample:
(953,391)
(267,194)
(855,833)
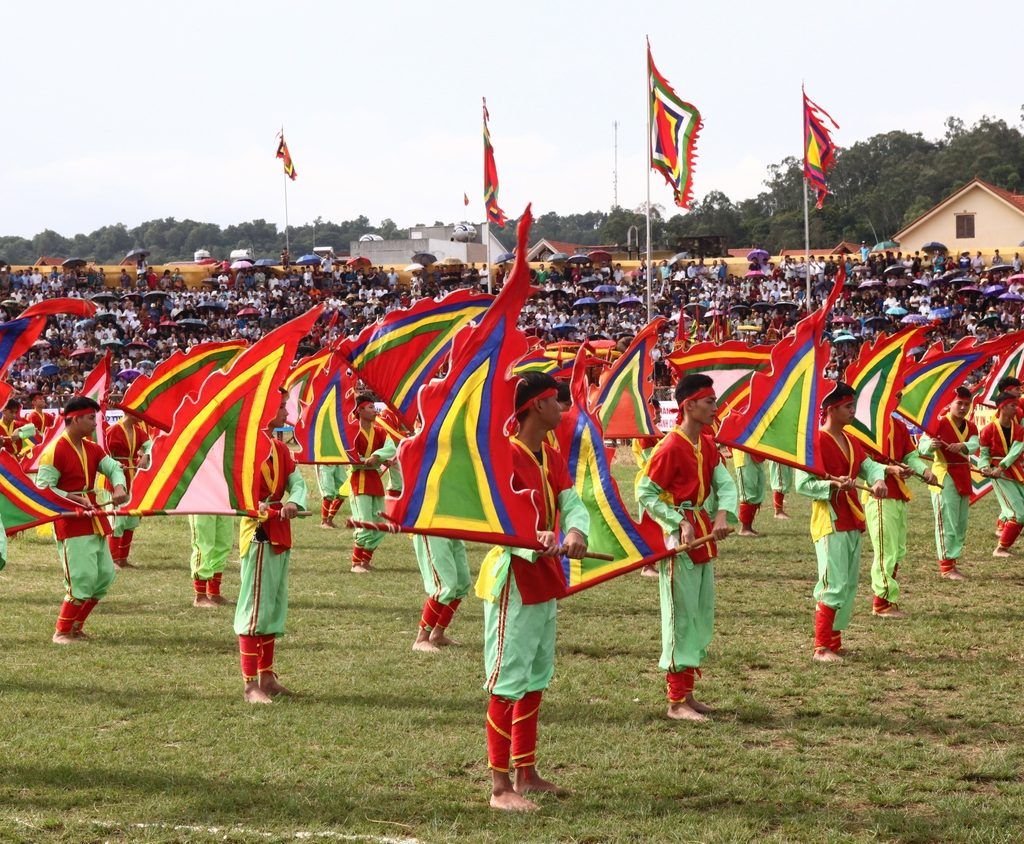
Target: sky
(122,112)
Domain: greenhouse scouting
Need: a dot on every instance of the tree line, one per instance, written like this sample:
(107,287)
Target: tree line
(879,185)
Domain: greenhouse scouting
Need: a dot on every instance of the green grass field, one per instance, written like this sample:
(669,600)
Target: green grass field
(142,734)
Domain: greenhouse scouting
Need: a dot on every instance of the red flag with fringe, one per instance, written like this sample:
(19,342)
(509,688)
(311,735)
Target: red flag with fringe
(622,400)
(327,428)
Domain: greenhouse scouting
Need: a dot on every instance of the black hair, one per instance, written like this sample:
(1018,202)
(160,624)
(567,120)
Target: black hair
(564,393)
(1006,382)
(364,397)
(963,393)
(690,384)
(80,403)
(841,391)
(531,385)
(13,404)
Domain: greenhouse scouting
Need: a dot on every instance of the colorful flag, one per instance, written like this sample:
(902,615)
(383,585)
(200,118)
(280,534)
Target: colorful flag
(877,375)
(286,157)
(819,149)
(465,199)
(296,384)
(458,467)
(612,530)
(154,398)
(18,335)
(780,420)
(82,308)
(209,461)
(729,365)
(622,400)
(326,428)
(494,213)
(675,125)
(402,351)
(1009,365)
(96,386)
(22,503)
(931,383)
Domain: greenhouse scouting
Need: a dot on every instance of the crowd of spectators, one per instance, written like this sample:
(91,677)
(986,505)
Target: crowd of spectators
(145,315)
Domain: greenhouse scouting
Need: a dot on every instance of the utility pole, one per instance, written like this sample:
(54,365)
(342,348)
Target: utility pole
(615,172)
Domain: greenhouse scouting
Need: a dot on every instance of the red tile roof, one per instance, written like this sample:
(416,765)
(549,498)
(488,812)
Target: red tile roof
(1015,199)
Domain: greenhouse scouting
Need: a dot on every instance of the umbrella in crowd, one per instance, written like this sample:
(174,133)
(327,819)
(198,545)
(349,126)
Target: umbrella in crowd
(993,290)
(41,344)
(248,312)
(600,256)
(103,296)
(915,319)
(505,257)
(942,313)
(679,256)
(308,261)
(192,323)
(557,258)
(754,274)
(73,263)
(359,261)
(414,268)
(1018,278)
(586,300)
(896,311)
(630,300)
(138,344)
(579,259)
(425,258)
(241,265)
(884,245)
(82,353)
(128,374)
(895,269)
(265,262)
(1011,297)
(606,288)
(758,255)
(934,246)
(877,321)
(970,290)
(49,369)
(154,296)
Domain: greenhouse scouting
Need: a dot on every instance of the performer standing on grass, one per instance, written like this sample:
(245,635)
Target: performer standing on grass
(521,588)
(38,416)
(129,444)
(374,448)
(71,466)
(750,483)
(15,432)
(212,538)
(265,546)
(684,469)
(444,567)
(330,477)
(1012,387)
(887,519)
(837,520)
(780,477)
(956,439)
(1002,458)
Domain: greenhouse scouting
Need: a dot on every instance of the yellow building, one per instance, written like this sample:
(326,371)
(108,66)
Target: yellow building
(979,216)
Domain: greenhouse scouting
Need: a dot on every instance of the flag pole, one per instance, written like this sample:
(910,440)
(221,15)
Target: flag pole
(284,174)
(647,141)
(487,241)
(807,245)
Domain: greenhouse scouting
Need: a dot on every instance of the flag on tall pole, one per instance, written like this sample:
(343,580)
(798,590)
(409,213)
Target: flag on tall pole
(494,213)
(819,149)
(674,127)
(286,157)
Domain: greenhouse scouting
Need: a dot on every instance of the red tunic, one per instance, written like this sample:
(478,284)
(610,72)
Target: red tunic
(958,465)
(367,481)
(542,579)
(9,442)
(993,438)
(42,420)
(898,446)
(125,441)
(684,469)
(849,514)
(78,469)
(273,485)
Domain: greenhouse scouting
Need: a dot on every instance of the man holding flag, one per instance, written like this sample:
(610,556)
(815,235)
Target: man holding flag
(1002,445)
(684,469)
(129,444)
(373,448)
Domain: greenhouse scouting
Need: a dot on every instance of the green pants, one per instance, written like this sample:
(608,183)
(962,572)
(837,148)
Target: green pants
(781,477)
(750,482)
(687,593)
(519,643)
(1010,495)
(951,510)
(330,477)
(123,523)
(367,508)
(838,566)
(394,478)
(212,539)
(88,566)
(887,527)
(263,592)
(444,567)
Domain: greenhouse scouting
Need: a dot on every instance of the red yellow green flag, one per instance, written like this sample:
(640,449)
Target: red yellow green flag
(286,158)
(819,149)
(675,125)
(22,503)
(210,459)
(297,382)
(622,400)
(1010,364)
(729,365)
(494,213)
(326,428)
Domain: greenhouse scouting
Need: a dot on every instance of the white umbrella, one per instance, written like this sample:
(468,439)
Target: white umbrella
(241,265)
(414,268)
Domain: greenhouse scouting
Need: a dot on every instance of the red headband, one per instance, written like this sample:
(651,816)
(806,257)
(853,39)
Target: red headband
(702,393)
(544,394)
(824,408)
(74,414)
(1009,400)
(359,406)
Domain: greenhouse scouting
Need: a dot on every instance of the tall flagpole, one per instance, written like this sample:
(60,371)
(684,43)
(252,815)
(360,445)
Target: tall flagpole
(647,140)
(807,214)
(284,174)
(487,240)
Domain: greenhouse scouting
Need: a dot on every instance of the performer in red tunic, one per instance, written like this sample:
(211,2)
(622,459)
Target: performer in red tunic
(374,447)
(128,442)
(38,416)
(16,432)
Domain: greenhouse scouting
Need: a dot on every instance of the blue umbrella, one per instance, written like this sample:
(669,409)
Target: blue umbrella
(49,369)
(85,323)
(941,313)
(128,374)
(631,300)
(1012,297)
(880,320)
(993,290)
(265,262)
(915,319)
(607,300)
(309,261)
(586,300)
(606,288)
(505,257)
(896,311)
(564,326)
(758,255)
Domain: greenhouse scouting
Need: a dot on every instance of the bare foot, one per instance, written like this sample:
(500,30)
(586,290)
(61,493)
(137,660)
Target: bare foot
(525,783)
(425,646)
(683,712)
(826,655)
(64,638)
(326,525)
(745,531)
(891,611)
(124,564)
(80,634)
(438,637)
(697,706)
(360,570)
(203,601)
(782,514)
(219,600)
(254,694)
(509,801)
(270,685)
(649,571)
(1001,552)
(953,574)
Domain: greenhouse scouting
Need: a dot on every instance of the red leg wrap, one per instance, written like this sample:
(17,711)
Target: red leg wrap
(126,543)
(431,610)
(114,543)
(881,604)
(200,586)
(823,619)
(837,642)
(680,684)
(213,584)
(525,713)
(747,514)
(83,612)
(444,617)
(1011,530)
(265,660)
(67,616)
(249,651)
(946,565)
(499,733)
(336,506)
(778,499)
(325,509)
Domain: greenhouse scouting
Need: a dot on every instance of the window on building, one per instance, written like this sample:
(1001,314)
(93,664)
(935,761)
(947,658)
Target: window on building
(964,226)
